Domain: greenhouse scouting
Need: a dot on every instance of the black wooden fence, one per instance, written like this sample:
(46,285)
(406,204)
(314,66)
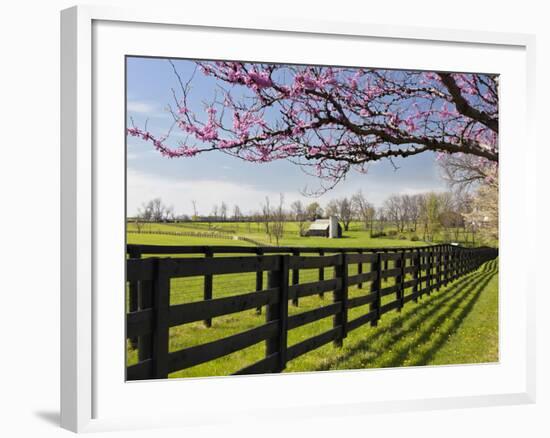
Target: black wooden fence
(415,271)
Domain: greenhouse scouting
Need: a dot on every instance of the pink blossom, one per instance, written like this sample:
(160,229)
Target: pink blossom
(262,80)
(276,109)
(313,150)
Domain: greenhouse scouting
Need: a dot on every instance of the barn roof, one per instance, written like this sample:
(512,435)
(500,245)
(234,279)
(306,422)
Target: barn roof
(320,224)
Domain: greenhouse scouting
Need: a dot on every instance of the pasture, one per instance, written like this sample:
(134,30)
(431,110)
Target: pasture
(458,324)
(357,236)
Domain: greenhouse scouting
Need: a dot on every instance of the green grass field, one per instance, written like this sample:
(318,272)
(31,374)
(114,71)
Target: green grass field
(458,324)
(357,236)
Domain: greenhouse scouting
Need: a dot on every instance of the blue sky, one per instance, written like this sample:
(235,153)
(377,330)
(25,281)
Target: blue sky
(214,177)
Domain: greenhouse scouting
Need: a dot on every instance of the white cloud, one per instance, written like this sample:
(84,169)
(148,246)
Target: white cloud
(420,190)
(135,106)
(147,110)
(142,187)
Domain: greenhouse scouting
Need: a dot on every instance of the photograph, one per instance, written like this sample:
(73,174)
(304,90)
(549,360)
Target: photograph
(268,220)
(285,218)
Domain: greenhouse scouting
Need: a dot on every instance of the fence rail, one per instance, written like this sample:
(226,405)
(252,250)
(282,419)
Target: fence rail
(414,272)
(206,234)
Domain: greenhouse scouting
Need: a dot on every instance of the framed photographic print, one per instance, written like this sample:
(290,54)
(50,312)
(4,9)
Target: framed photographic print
(271,216)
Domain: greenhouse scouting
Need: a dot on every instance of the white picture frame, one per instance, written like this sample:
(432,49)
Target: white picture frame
(82,229)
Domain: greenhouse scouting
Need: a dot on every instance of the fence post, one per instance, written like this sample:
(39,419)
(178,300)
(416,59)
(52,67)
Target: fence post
(161,308)
(459,264)
(455,263)
(416,264)
(341,295)
(400,293)
(429,272)
(375,288)
(279,312)
(360,270)
(145,298)
(133,293)
(295,277)
(443,268)
(208,285)
(452,263)
(448,265)
(259,280)
(321,273)
(445,265)
(438,267)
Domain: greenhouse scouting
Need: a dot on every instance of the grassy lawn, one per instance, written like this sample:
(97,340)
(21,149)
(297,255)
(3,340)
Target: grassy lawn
(476,339)
(457,324)
(355,237)
(159,239)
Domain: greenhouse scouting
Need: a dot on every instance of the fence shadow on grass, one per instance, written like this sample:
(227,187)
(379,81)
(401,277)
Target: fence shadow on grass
(450,307)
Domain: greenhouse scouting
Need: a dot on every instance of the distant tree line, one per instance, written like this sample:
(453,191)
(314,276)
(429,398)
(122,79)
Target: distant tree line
(419,216)
(469,208)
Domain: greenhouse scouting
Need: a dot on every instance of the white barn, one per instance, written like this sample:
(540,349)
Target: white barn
(325,228)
